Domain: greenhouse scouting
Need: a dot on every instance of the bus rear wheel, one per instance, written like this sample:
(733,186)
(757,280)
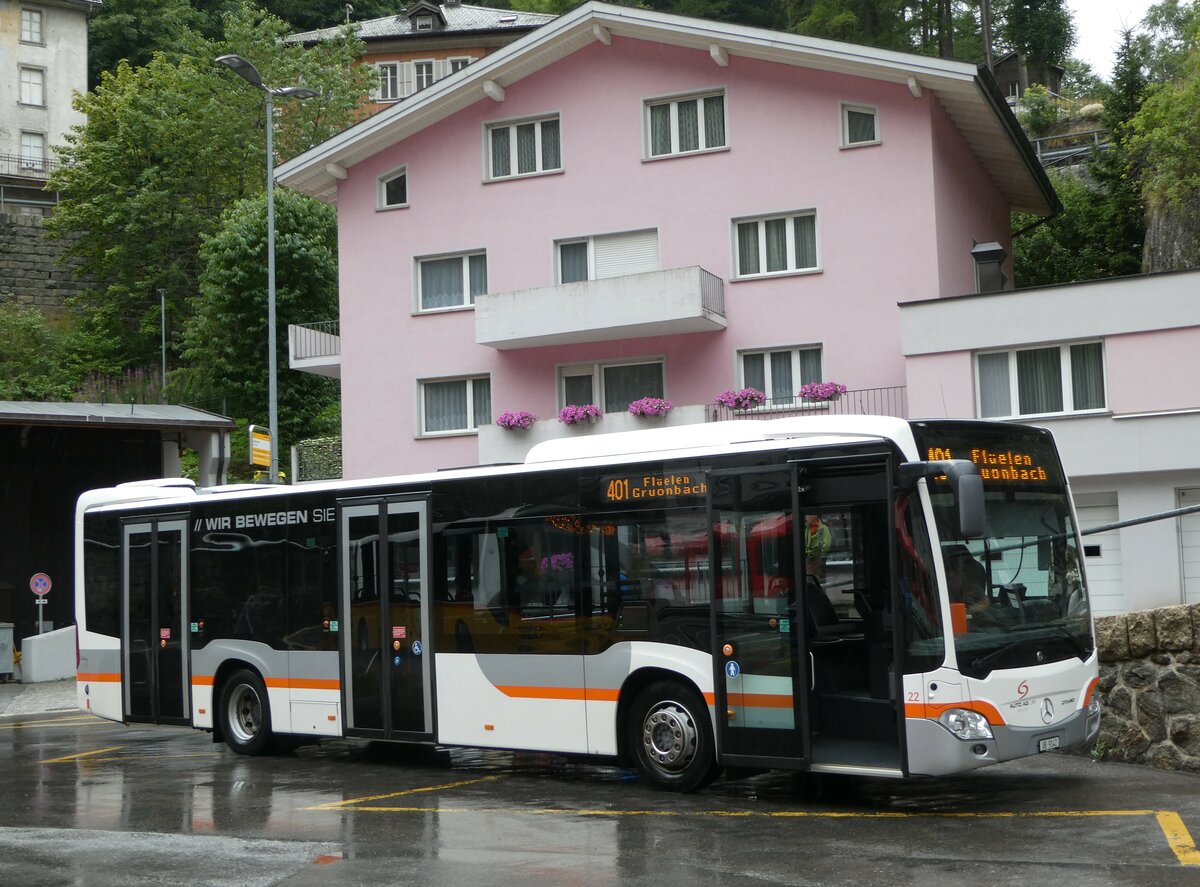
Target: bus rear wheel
(245,714)
(671,737)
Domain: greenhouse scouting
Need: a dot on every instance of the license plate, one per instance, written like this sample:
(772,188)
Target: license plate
(1048,744)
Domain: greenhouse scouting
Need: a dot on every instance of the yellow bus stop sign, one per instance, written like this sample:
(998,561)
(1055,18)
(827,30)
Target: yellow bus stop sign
(260,445)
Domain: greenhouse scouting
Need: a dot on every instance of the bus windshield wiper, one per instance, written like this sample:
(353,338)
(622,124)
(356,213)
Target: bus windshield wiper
(1081,649)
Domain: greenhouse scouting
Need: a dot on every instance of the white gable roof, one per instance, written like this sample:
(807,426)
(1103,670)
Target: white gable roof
(970,98)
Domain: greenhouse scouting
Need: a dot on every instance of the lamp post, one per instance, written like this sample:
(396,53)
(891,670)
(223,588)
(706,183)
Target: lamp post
(244,69)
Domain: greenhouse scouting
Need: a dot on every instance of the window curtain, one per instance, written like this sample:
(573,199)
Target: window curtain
(995,397)
(747,248)
(527,148)
(754,372)
(573,262)
(441,283)
(478,272)
(810,366)
(1087,377)
(395,191)
(806,241)
(1039,381)
(501,165)
(625,384)
(577,390)
(446,406)
(689,126)
(776,233)
(551,158)
(481,402)
(860,127)
(714,121)
(782,387)
(660,129)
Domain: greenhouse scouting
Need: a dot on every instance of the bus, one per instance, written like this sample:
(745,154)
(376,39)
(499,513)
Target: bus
(636,597)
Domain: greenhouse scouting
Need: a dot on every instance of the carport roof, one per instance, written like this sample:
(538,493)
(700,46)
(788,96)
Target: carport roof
(114,415)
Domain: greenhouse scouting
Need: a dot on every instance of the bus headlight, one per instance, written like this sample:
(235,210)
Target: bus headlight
(966,724)
(1094,706)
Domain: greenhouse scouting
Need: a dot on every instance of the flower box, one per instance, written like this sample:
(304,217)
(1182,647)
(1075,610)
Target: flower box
(650,406)
(574,415)
(742,399)
(822,390)
(516,420)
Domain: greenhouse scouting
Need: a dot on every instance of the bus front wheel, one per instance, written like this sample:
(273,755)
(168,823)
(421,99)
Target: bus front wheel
(671,738)
(245,714)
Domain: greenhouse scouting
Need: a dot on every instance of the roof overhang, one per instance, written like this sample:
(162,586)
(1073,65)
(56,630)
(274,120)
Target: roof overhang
(150,417)
(971,99)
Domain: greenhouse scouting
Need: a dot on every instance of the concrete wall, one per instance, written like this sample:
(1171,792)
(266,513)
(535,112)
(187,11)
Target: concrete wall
(30,271)
(49,656)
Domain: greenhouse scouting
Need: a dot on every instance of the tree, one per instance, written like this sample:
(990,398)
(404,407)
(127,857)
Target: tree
(1169,33)
(1080,81)
(134,30)
(33,364)
(225,339)
(166,149)
(1042,29)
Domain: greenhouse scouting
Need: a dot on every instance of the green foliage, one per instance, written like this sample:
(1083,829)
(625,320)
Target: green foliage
(1091,238)
(1169,34)
(320,458)
(1163,137)
(1042,29)
(134,30)
(1038,111)
(32,361)
(166,149)
(225,341)
(1081,82)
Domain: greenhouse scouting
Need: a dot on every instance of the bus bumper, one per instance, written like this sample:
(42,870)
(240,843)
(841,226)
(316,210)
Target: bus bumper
(935,751)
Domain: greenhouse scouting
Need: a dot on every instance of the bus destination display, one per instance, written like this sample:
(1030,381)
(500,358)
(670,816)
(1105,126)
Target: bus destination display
(1005,465)
(646,487)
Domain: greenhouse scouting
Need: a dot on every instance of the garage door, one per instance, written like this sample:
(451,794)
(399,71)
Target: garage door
(1102,552)
(1189,545)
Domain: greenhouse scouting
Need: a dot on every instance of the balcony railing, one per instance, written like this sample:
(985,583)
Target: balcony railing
(861,402)
(316,348)
(24,166)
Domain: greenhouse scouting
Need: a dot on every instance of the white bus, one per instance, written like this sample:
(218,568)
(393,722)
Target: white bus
(638,597)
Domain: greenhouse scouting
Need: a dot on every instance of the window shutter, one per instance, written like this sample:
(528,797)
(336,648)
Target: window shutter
(441,68)
(405,76)
(630,253)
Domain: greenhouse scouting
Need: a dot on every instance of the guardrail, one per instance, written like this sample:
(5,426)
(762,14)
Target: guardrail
(24,166)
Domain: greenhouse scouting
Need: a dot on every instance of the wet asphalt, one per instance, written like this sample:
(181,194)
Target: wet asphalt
(87,802)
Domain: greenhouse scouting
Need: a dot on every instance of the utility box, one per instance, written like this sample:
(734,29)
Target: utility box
(6,651)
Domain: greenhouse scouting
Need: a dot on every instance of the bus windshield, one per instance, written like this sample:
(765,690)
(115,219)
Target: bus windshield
(1018,595)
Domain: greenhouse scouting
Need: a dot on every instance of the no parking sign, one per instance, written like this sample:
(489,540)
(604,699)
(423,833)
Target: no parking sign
(39,584)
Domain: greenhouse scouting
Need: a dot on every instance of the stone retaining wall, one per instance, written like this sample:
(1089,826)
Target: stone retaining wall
(1150,688)
(30,271)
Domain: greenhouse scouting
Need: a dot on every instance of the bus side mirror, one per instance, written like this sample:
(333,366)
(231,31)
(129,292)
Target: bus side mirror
(965,483)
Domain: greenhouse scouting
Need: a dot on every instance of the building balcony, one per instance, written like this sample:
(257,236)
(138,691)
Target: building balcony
(860,402)
(655,303)
(315,348)
(25,166)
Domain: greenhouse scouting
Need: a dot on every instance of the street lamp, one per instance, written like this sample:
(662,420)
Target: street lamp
(249,73)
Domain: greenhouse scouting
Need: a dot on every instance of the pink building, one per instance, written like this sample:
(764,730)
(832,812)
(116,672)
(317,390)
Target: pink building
(624,204)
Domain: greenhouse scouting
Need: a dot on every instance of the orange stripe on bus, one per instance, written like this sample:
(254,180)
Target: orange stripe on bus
(590,694)
(99,677)
(1091,688)
(206,680)
(933,710)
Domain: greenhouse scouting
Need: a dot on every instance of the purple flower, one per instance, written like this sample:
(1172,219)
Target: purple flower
(821,390)
(558,562)
(573,415)
(512,420)
(742,399)
(650,406)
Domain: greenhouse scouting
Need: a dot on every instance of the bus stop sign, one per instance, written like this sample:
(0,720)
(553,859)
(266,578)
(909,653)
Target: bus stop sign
(39,583)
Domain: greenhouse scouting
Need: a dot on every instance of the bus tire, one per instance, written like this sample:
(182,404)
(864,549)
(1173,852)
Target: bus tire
(671,738)
(245,713)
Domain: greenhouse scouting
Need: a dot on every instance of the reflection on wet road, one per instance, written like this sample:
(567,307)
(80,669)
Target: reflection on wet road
(91,802)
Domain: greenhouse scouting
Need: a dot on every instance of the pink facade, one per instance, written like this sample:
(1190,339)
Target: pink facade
(895,222)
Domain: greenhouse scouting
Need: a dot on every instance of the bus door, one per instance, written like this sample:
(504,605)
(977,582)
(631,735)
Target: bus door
(386,661)
(154,603)
(759,670)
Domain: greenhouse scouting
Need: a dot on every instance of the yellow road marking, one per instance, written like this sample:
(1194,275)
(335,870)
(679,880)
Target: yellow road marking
(1178,837)
(82,754)
(61,722)
(335,805)
(143,757)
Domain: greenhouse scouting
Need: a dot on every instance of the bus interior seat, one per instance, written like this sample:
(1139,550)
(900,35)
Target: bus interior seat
(823,618)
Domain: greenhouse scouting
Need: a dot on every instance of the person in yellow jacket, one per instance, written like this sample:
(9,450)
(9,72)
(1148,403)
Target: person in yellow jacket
(817,540)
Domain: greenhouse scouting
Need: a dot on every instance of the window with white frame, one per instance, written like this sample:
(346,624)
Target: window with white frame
(424,22)
(685,125)
(611,386)
(524,148)
(450,281)
(33,86)
(389,82)
(860,125)
(33,150)
(784,244)
(393,189)
(424,74)
(607,255)
(457,64)
(1036,381)
(450,406)
(31,26)
(779,372)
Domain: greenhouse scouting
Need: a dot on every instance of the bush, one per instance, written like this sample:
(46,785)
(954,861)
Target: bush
(1038,112)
